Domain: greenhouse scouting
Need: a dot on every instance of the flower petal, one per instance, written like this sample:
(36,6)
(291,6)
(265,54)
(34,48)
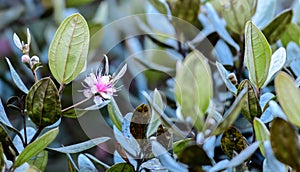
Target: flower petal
(98,100)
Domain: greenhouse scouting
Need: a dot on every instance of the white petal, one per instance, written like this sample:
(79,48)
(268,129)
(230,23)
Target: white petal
(17,41)
(105,95)
(121,73)
(105,79)
(94,89)
(87,93)
(28,37)
(98,100)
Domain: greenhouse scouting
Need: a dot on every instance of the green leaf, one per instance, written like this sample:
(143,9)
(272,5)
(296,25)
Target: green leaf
(68,50)
(178,8)
(231,114)
(160,6)
(181,144)
(40,160)
(292,33)
(16,78)
(85,164)
(262,133)
(285,143)
(121,167)
(139,123)
(288,96)
(251,107)
(194,156)
(2,161)
(43,103)
(232,142)
(154,120)
(277,62)
(79,147)
(236,13)
(115,114)
(36,147)
(194,84)
(276,28)
(257,55)
(224,75)
(7,144)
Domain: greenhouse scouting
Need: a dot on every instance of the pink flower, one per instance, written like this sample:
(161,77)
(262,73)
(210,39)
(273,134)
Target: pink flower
(102,87)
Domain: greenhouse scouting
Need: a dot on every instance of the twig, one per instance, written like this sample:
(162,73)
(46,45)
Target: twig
(77,104)
(38,132)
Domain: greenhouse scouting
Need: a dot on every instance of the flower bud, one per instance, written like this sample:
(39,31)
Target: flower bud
(35,60)
(25,59)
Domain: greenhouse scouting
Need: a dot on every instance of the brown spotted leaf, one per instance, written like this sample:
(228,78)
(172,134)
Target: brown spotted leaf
(164,137)
(233,142)
(139,123)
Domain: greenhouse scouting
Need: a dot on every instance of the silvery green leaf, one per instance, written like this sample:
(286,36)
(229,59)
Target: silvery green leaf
(85,164)
(223,53)
(271,162)
(3,116)
(17,141)
(224,74)
(220,165)
(209,146)
(276,110)
(266,116)
(97,161)
(17,41)
(265,11)
(277,62)
(264,99)
(165,159)
(293,57)
(220,26)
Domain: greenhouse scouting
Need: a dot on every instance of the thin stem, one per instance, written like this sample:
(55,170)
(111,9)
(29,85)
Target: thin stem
(34,75)
(37,133)
(61,88)
(241,58)
(25,131)
(77,104)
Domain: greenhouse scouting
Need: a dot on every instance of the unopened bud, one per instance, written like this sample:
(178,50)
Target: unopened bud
(25,59)
(232,78)
(35,60)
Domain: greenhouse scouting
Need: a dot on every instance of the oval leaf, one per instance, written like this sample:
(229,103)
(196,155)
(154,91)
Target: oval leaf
(194,84)
(224,75)
(121,167)
(16,78)
(236,13)
(43,103)
(115,114)
(69,48)
(233,142)
(251,107)
(36,147)
(85,164)
(40,160)
(194,156)
(288,96)
(267,10)
(262,133)
(285,143)
(277,62)
(76,148)
(179,7)
(154,120)
(276,28)
(257,55)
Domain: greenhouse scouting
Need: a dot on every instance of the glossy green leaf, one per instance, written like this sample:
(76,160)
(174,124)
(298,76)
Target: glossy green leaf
(181,144)
(43,103)
(261,133)
(68,50)
(36,147)
(232,142)
(194,156)
(224,75)
(257,55)
(16,78)
(277,62)
(285,143)
(251,107)
(139,123)
(292,33)
(85,164)
(79,147)
(231,114)
(288,96)
(40,160)
(276,28)
(154,120)
(121,167)
(115,114)
(236,13)
(194,84)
